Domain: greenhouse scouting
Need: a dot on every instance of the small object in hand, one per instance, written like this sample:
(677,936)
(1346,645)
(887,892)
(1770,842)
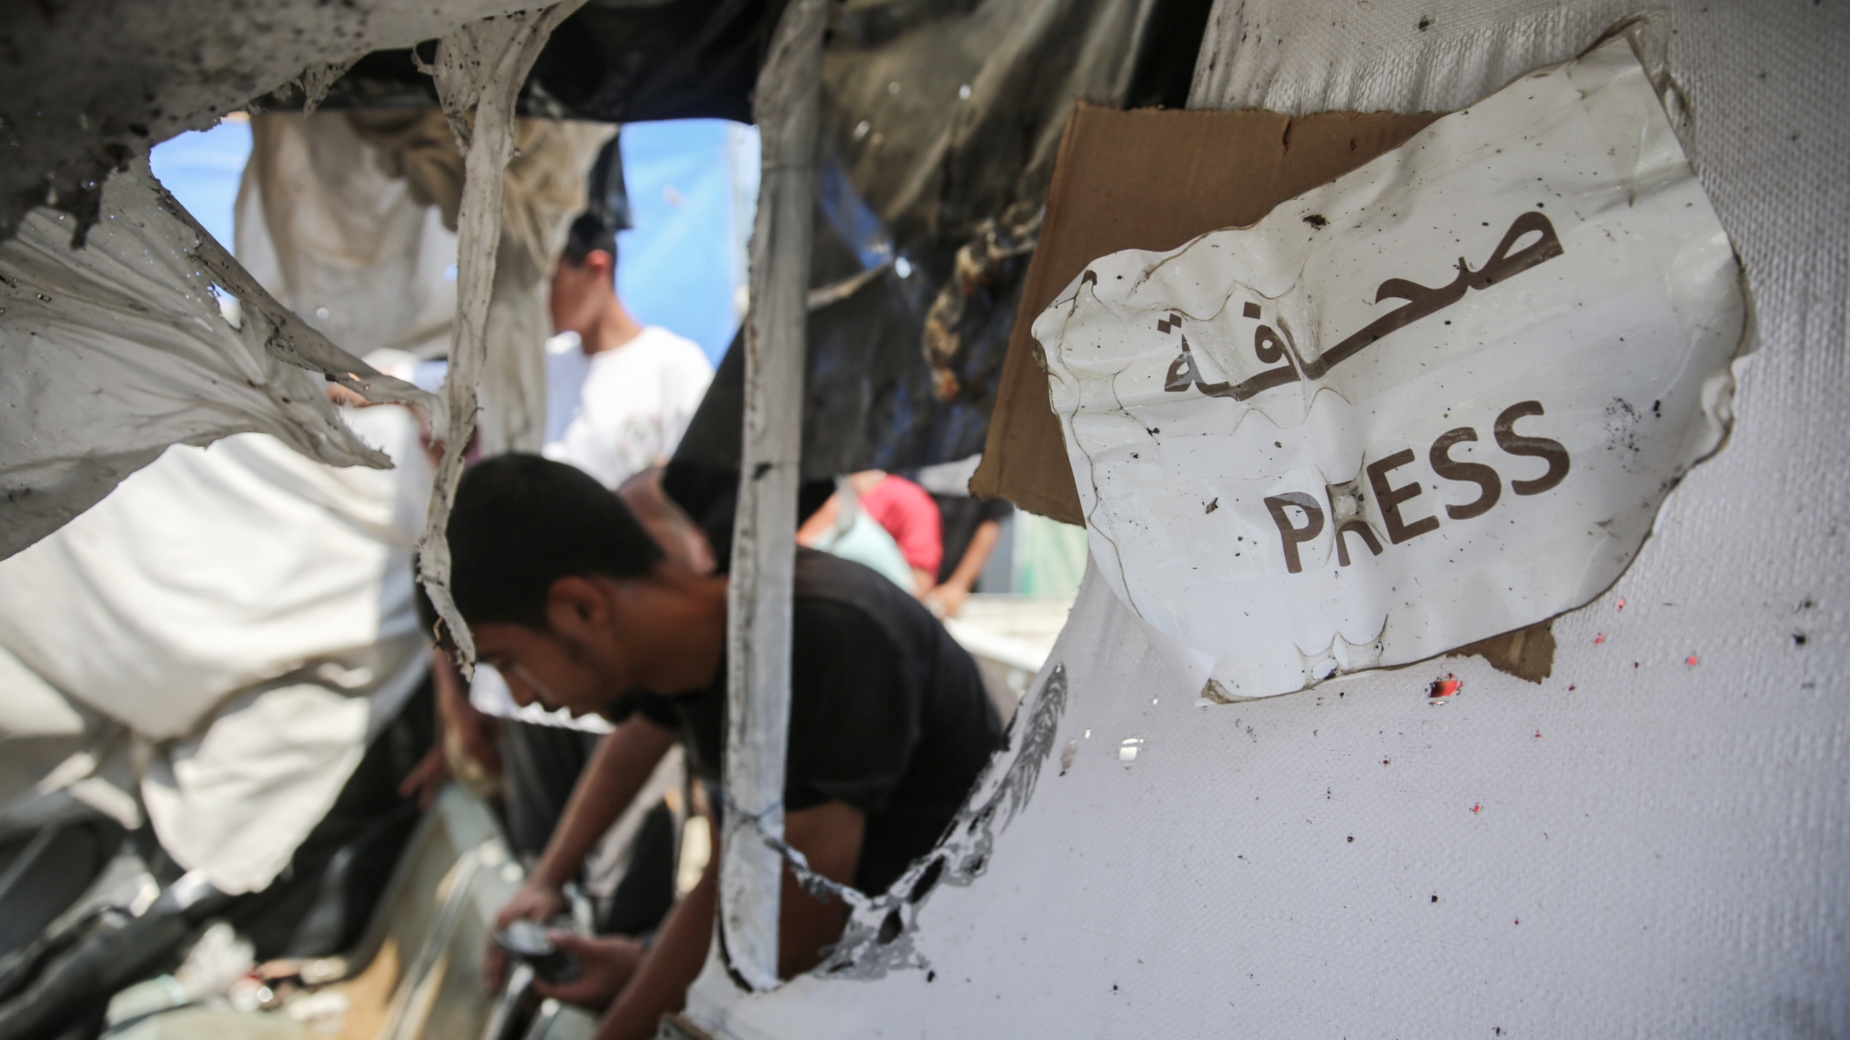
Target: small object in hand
(527,941)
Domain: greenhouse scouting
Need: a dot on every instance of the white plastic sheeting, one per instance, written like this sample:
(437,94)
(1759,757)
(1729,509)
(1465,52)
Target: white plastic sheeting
(239,620)
(1648,843)
(1443,450)
(228,566)
(342,231)
(240,616)
(349,217)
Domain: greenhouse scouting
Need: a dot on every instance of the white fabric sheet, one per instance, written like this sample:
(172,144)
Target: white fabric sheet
(241,613)
(119,349)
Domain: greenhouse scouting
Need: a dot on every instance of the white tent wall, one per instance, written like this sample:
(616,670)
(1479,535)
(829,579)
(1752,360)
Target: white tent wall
(325,225)
(1650,842)
(349,219)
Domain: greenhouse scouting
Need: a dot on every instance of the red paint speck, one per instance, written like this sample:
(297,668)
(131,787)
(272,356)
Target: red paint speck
(1538,734)
(1385,761)
(1475,808)
(1444,689)
(1621,602)
(1570,687)
(1690,660)
(1519,920)
(1598,639)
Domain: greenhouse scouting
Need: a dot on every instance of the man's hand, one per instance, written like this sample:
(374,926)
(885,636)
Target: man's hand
(947,599)
(605,966)
(536,901)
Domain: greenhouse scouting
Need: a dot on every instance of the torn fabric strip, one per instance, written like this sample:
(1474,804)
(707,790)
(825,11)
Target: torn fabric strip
(479,71)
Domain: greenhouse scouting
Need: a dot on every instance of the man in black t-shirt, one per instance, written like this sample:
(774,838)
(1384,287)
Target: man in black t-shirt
(568,597)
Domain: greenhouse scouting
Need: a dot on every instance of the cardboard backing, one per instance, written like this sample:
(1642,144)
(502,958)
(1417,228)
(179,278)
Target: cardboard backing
(1150,179)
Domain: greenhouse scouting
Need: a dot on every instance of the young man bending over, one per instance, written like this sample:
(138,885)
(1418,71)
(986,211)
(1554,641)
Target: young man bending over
(568,597)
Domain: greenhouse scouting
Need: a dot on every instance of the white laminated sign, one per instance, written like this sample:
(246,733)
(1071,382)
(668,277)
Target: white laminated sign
(1437,399)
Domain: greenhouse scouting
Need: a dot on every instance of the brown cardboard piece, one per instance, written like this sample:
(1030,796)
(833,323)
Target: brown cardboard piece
(1154,179)
(1150,179)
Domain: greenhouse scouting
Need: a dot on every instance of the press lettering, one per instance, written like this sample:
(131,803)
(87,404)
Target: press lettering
(1465,473)
(1290,534)
(1348,527)
(1394,502)
(1538,447)
(1390,499)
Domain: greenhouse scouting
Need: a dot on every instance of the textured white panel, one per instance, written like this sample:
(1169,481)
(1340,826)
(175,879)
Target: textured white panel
(1674,841)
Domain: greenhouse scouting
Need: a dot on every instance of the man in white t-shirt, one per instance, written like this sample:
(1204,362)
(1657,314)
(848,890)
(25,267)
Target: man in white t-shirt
(640,384)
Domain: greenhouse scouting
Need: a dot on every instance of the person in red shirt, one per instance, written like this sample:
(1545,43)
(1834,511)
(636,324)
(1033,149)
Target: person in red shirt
(908,513)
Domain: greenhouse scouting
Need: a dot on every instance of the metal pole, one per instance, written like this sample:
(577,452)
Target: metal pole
(764,539)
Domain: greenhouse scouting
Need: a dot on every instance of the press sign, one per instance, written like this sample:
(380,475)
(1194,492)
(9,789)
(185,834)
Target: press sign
(1437,399)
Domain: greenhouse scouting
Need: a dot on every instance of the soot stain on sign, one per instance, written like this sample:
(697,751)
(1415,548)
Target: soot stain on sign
(1526,653)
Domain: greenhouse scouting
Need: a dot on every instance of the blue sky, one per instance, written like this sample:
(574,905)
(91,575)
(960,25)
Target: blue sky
(691,183)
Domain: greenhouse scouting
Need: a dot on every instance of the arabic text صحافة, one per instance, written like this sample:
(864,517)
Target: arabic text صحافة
(1505,261)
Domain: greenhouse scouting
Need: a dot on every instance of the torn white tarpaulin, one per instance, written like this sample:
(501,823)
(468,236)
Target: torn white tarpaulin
(1437,399)
(479,70)
(215,569)
(118,349)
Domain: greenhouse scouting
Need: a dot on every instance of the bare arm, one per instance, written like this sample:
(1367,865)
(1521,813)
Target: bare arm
(956,588)
(922,581)
(821,522)
(618,769)
(828,835)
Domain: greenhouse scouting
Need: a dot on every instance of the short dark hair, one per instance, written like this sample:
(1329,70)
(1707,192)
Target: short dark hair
(591,231)
(522,522)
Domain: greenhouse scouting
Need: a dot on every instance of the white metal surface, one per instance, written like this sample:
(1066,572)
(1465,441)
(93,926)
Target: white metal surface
(764,541)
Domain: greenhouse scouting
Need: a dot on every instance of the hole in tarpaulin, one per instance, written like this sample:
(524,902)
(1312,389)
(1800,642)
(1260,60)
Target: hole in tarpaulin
(230,307)
(890,927)
(923,886)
